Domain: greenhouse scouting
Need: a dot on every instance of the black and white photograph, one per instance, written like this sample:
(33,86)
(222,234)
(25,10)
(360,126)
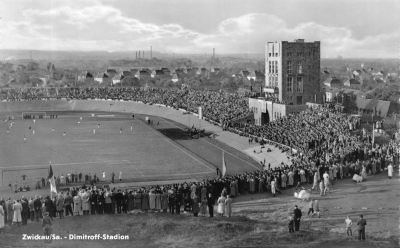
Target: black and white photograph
(199,123)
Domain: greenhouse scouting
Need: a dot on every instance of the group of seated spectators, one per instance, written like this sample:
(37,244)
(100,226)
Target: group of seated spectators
(216,106)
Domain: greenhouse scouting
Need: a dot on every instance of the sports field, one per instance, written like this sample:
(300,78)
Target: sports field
(141,152)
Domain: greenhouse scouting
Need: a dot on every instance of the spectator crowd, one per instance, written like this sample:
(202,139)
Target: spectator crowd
(322,136)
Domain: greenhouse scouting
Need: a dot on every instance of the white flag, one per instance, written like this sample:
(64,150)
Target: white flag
(52,182)
(223,164)
(200,113)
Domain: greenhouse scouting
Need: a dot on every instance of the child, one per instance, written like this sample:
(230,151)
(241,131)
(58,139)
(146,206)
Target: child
(291,222)
(348,226)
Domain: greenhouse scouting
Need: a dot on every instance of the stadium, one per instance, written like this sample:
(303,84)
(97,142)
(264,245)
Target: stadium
(150,145)
(142,152)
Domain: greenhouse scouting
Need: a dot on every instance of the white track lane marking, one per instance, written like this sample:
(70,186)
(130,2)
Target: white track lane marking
(135,167)
(215,146)
(162,136)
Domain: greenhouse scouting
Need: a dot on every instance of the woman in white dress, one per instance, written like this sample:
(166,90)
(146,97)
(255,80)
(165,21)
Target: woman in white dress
(2,217)
(273,187)
(221,205)
(364,172)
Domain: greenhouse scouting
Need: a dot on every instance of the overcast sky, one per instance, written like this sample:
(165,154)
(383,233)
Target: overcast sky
(351,28)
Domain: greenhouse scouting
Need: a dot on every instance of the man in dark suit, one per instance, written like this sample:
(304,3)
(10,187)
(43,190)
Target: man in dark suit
(211,203)
(118,199)
(38,207)
(171,203)
(25,211)
(361,228)
(297,217)
(93,201)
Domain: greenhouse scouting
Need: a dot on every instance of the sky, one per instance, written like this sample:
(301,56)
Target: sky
(350,28)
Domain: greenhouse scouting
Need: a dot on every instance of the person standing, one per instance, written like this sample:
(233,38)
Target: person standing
(321,188)
(310,208)
(46,225)
(211,202)
(67,202)
(203,206)
(60,205)
(228,206)
(17,208)
(112,177)
(25,211)
(171,203)
(348,226)
(221,205)
(195,207)
(9,210)
(38,207)
(273,187)
(120,176)
(31,209)
(291,230)
(316,208)
(361,228)
(2,217)
(390,171)
(297,217)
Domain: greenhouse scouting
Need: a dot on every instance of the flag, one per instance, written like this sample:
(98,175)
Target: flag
(373,134)
(52,182)
(200,113)
(223,165)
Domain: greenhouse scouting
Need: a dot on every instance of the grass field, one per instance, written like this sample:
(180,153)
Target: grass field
(144,153)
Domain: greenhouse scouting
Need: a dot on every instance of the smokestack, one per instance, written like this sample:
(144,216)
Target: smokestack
(139,54)
(151,52)
(136,54)
(143,54)
(213,52)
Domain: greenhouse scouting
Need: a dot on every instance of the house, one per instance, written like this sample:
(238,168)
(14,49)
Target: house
(202,71)
(372,106)
(175,78)
(101,77)
(158,74)
(391,77)
(84,75)
(127,73)
(166,71)
(357,93)
(142,74)
(117,78)
(333,82)
(111,73)
(260,76)
(380,75)
(134,71)
(244,73)
(330,93)
(352,83)
(18,68)
(252,75)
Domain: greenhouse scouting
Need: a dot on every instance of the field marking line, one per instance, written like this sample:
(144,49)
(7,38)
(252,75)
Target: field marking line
(215,146)
(162,136)
(135,167)
(112,106)
(26,166)
(182,174)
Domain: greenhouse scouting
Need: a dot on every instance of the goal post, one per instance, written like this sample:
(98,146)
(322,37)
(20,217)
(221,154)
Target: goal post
(14,175)
(33,115)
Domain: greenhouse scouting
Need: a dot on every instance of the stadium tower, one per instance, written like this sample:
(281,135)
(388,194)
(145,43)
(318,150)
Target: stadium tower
(292,80)
(292,72)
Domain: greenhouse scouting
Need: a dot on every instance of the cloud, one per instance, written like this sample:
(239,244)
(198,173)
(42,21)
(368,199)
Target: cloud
(93,25)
